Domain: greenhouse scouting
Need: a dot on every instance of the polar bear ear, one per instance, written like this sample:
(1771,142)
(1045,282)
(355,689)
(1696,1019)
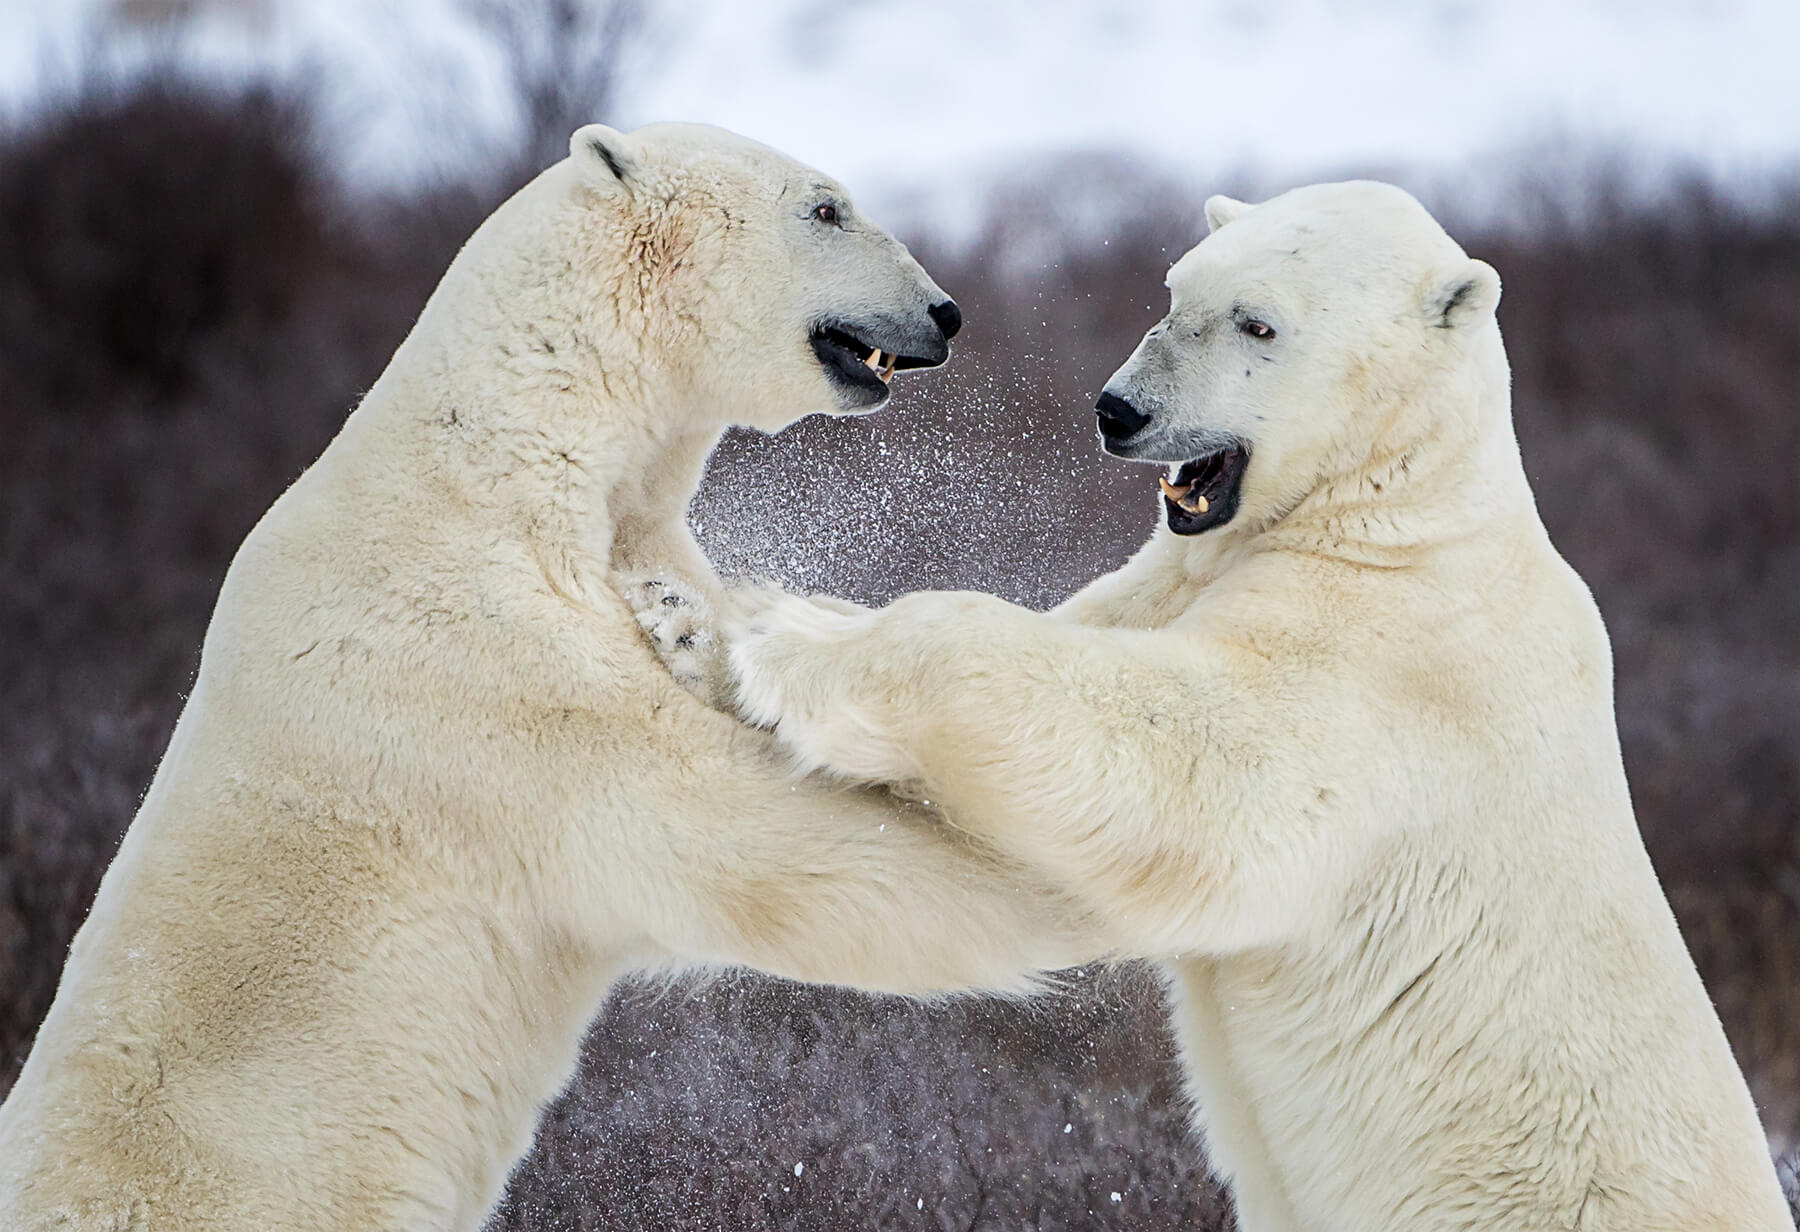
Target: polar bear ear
(604,156)
(1467,293)
(1221,210)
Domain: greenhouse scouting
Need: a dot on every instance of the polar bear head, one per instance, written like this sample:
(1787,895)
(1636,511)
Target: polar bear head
(755,289)
(1299,333)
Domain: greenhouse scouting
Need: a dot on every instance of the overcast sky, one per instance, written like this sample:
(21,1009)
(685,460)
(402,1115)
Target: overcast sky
(915,102)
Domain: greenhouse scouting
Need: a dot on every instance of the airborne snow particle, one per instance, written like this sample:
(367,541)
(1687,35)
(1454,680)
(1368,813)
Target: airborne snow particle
(799,1168)
(1115,1195)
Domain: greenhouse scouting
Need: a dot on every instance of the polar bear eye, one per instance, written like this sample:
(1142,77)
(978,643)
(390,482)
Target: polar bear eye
(1256,329)
(825,212)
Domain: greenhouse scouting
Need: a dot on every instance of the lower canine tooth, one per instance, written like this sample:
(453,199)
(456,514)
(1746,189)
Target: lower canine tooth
(887,369)
(1184,496)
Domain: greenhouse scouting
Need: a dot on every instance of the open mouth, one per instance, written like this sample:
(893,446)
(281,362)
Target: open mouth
(1204,492)
(853,362)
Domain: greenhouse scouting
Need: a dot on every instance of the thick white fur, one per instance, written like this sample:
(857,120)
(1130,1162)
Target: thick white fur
(1346,764)
(433,791)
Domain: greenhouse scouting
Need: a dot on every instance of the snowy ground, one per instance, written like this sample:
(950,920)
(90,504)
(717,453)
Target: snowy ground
(918,103)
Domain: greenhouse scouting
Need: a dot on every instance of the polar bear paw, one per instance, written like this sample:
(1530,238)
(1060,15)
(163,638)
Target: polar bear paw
(778,655)
(795,663)
(680,628)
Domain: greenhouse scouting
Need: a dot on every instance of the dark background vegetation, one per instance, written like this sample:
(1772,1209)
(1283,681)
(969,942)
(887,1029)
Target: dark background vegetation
(189,306)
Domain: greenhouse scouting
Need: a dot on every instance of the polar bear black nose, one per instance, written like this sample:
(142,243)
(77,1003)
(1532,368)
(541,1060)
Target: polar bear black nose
(948,317)
(1118,418)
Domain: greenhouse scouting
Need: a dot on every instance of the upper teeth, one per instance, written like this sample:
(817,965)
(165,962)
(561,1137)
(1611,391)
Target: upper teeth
(882,366)
(1182,496)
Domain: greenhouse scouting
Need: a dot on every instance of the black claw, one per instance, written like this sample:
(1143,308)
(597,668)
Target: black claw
(673,600)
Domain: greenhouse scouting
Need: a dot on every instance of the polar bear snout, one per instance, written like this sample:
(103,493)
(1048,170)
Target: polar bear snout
(1204,490)
(948,317)
(1118,419)
(861,353)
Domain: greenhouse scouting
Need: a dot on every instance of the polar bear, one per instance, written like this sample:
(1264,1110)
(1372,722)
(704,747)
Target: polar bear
(433,791)
(1337,747)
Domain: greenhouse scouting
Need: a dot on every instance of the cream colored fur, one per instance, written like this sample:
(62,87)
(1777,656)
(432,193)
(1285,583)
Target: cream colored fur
(433,792)
(1346,765)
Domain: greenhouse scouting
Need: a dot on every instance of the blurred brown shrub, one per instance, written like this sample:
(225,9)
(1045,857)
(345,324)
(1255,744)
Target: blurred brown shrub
(187,310)
(136,226)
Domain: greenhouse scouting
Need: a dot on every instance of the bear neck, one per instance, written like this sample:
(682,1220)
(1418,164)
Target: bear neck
(647,509)
(1442,470)
(594,484)
(552,424)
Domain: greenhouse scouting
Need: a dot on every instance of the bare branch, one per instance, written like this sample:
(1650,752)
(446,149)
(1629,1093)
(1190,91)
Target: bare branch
(565,59)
